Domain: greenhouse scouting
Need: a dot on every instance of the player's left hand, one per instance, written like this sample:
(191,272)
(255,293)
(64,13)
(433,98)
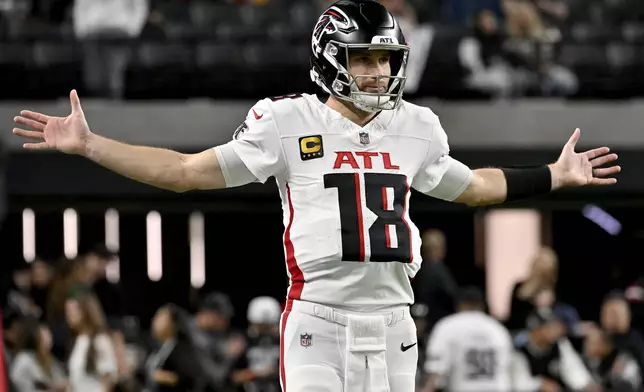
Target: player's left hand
(574,169)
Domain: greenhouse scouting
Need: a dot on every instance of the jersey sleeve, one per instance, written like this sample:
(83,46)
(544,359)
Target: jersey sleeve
(256,142)
(441,176)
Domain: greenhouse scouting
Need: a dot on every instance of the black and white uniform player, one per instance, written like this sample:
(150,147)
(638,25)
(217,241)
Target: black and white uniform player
(469,351)
(546,360)
(258,368)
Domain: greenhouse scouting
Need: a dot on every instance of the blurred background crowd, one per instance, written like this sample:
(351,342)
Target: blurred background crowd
(90,315)
(232,49)
(67,326)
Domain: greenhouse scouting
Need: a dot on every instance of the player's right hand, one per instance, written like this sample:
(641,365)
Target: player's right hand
(66,134)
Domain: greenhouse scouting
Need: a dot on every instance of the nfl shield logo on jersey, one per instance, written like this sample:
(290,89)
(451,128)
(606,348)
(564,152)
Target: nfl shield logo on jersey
(364,138)
(306,339)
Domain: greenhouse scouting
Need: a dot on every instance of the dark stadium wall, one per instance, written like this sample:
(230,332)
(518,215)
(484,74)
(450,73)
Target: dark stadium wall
(58,176)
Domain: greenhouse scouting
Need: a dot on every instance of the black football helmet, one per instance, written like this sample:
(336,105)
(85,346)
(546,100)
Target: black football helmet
(358,24)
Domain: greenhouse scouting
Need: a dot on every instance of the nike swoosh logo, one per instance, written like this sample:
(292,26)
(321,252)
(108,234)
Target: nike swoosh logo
(404,348)
(257,116)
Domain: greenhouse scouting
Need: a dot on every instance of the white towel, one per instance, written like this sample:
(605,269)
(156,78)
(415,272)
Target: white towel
(366,365)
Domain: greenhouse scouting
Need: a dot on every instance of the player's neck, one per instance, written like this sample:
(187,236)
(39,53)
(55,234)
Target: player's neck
(349,111)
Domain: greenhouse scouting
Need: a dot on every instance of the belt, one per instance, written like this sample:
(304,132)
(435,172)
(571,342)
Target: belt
(332,315)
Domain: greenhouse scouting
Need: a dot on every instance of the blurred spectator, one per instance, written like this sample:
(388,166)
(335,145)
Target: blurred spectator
(35,368)
(17,294)
(615,319)
(257,369)
(172,366)
(96,23)
(223,344)
(553,13)
(12,325)
(110,298)
(546,299)
(613,369)
(42,274)
(523,19)
(492,68)
(109,294)
(542,276)
(545,360)
(435,285)
(92,361)
(634,294)
(68,278)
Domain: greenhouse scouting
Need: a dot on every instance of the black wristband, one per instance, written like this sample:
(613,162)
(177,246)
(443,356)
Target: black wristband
(523,183)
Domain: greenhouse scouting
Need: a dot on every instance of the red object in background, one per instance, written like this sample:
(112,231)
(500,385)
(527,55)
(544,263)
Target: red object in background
(3,368)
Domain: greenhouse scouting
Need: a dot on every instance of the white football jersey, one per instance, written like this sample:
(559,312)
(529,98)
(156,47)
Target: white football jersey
(345,192)
(470,352)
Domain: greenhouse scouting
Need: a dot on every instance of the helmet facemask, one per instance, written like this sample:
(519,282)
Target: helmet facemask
(345,85)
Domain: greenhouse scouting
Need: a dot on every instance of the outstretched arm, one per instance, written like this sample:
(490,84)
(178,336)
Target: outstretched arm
(572,169)
(158,167)
(214,168)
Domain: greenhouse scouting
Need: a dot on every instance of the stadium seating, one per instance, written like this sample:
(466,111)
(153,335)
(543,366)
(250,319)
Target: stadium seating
(221,50)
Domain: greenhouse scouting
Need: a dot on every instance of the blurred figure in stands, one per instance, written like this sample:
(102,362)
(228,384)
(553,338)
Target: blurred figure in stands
(110,297)
(634,294)
(13,325)
(223,344)
(553,12)
(523,19)
(545,360)
(109,294)
(69,277)
(17,292)
(547,299)
(92,362)
(34,367)
(614,369)
(100,24)
(42,275)
(543,275)
(492,68)
(258,367)
(434,283)
(615,319)
(172,366)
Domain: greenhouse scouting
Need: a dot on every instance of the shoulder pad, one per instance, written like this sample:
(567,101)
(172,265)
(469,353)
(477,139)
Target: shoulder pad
(420,113)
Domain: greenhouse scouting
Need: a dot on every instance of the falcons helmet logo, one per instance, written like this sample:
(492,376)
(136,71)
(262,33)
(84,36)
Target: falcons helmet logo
(331,21)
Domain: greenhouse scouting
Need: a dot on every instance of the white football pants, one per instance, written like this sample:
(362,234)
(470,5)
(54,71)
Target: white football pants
(329,350)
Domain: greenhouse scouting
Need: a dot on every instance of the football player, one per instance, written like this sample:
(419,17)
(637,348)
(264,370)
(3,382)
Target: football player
(344,167)
(469,351)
